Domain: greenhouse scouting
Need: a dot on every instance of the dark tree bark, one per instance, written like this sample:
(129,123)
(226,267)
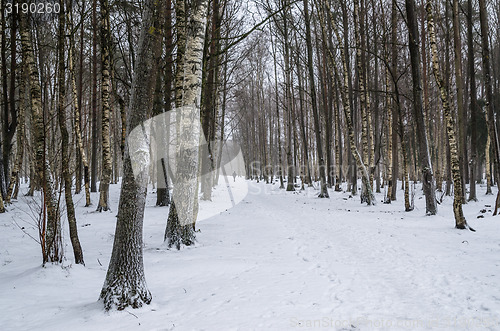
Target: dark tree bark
(93,165)
(473,102)
(9,105)
(319,146)
(490,106)
(162,193)
(66,173)
(125,283)
(395,115)
(106,107)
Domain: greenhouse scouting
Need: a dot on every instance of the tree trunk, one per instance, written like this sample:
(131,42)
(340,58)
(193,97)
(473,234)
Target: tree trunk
(395,116)
(390,177)
(125,283)
(77,116)
(367,184)
(66,173)
(162,192)
(278,125)
(418,112)
(487,152)
(9,106)
(106,107)
(20,139)
(319,146)
(460,222)
(473,103)
(490,107)
(462,116)
(183,212)
(347,106)
(51,233)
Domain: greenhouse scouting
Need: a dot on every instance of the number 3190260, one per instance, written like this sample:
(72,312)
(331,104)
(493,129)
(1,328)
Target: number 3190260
(33,8)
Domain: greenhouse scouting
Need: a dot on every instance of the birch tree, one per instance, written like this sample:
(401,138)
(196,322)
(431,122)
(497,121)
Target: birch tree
(61,112)
(50,234)
(77,113)
(460,221)
(370,198)
(106,107)
(183,212)
(418,111)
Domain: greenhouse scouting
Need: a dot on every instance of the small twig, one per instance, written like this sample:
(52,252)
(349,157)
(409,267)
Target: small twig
(132,314)
(99,262)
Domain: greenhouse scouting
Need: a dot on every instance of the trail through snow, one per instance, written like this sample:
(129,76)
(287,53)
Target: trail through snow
(277,260)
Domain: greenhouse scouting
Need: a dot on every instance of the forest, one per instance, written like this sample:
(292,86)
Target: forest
(177,120)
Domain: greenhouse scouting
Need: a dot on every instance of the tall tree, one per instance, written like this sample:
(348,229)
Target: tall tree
(366,190)
(490,105)
(312,85)
(394,107)
(162,192)
(462,116)
(125,283)
(473,102)
(77,113)
(347,107)
(9,88)
(61,112)
(183,212)
(460,221)
(50,234)
(93,170)
(106,107)
(418,112)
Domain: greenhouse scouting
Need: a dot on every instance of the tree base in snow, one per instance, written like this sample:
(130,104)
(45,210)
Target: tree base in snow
(177,234)
(119,297)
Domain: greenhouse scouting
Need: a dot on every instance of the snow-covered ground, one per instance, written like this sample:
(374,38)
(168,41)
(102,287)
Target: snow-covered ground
(277,260)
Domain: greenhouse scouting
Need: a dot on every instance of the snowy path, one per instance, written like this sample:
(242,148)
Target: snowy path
(279,261)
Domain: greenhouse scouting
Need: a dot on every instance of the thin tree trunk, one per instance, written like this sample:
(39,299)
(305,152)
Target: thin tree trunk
(490,107)
(80,98)
(106,107)
(347,107)
(66,173)
(162,192)
(20,138)
(321,162)
(77,116)
(418,112)
(460,222)
(280,158)
(51,237)
(473,103)
(487,152)
(395,116)
(462,116)
(93,176)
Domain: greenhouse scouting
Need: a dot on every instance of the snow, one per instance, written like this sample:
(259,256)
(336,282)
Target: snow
(277,260)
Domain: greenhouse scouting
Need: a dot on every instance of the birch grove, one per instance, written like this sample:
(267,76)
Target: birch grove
(381,102)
